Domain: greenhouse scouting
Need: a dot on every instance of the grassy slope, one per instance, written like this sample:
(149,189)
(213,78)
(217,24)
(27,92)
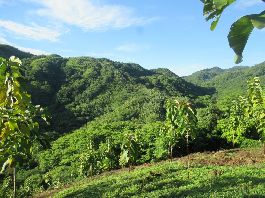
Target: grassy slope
(232,173)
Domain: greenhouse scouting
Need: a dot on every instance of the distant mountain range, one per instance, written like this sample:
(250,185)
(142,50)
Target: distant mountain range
(228,82)
(79,90)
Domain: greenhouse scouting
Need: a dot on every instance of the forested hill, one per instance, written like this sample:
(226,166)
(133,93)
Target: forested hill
(228,83)
(6,51)
(78,90)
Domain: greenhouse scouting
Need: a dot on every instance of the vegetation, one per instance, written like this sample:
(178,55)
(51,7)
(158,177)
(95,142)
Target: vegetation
(18,123)
(240,30)
(8,51)
(210,176)
(78,90)
(246,116)
(108,115)
(229,83)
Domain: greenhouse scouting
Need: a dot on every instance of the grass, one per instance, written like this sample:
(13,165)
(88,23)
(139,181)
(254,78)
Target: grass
(233,173)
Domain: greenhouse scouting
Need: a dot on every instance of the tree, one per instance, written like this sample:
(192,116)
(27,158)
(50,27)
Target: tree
(18,117)
(181,122)
(240,30)
(235,125)
(256,108)
(129,149)
(246,113)
(88,160)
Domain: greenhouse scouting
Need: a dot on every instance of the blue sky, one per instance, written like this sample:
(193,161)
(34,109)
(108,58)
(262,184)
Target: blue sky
(152,33)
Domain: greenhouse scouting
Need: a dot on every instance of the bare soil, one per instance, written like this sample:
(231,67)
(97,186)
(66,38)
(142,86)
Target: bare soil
(233,157)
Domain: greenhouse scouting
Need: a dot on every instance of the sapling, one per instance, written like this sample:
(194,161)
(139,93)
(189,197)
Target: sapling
(181,122)
(19,127)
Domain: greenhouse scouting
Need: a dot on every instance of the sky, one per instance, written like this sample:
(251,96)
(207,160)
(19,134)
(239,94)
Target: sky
(171,34)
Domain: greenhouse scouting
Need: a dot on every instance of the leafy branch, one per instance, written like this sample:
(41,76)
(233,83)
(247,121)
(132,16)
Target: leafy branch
(18,117)
(240,30)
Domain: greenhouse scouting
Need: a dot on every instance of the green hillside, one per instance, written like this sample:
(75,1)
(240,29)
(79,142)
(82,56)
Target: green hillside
(228,83)
(106,115)
(78,90)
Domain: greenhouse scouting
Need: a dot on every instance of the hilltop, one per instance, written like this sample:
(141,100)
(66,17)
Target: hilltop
(78,90)
(228,83)
(6,51)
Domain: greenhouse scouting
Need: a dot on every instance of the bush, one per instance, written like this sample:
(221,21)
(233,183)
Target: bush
(34,183)
(5,190)
(61,175)
(249,143)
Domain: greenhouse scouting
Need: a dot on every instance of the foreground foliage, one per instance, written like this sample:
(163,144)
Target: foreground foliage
(246,116)
(240,30)
(18,118)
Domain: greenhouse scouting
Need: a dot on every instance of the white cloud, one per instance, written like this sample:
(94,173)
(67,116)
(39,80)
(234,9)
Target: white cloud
(32,50)
(243,4)
(90,15)
(132,47)
(3,40)
(34,31)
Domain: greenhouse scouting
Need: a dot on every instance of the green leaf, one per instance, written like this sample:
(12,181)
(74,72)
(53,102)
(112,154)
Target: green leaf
(13,125)
(220,4)
(124,158)
(213,10)
(238,36)
(241,30)
(8,162)
(18,126)
(214,24)
(258,20)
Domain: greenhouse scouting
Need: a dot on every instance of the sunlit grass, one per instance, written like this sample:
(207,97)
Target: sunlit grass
(169,179)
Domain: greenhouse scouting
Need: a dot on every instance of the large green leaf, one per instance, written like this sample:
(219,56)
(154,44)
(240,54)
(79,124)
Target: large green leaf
(238,36)
(241,30)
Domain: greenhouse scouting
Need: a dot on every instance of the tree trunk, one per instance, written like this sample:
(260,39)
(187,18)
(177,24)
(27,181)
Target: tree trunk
(233,140)
(91,170)
(188,163)
(171,152)
(14,182)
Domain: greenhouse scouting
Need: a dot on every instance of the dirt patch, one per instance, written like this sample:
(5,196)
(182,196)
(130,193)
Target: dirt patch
(46,194)
(232,157)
